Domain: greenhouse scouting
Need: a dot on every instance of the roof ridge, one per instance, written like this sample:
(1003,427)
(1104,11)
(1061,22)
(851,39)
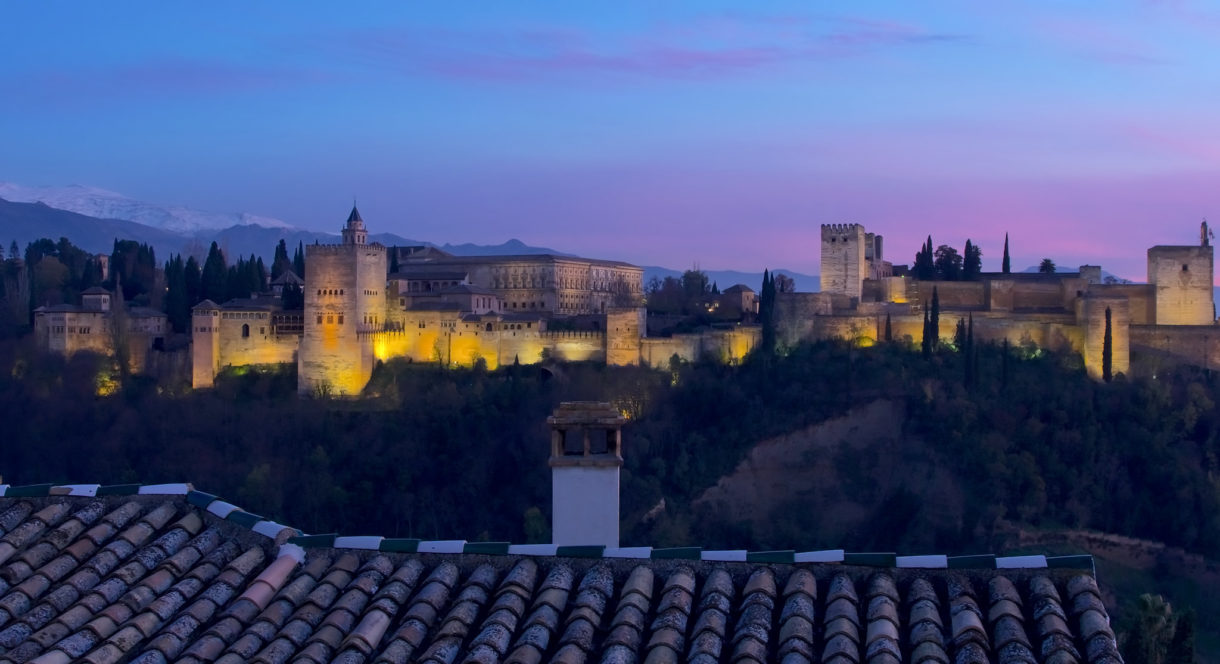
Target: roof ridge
(287,535)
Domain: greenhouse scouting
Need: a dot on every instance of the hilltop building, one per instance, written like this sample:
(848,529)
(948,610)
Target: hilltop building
(1173,314)
(90,326)
(454,310)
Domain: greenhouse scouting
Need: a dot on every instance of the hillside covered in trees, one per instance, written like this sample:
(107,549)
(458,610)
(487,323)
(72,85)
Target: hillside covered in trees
(439,453)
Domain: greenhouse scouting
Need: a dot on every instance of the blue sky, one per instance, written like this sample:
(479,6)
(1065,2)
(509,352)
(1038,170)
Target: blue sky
(660,133)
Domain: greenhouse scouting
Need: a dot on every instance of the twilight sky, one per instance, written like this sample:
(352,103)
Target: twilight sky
(667,133)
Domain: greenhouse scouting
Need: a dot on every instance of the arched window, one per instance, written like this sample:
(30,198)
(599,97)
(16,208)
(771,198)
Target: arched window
(245,330)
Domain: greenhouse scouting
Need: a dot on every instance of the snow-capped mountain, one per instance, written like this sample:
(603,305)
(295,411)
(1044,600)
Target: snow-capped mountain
(95,202)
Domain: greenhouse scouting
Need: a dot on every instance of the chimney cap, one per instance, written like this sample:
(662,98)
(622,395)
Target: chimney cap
(586,412)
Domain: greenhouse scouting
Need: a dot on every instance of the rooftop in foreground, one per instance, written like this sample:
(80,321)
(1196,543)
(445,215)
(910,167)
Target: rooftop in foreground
(165,573)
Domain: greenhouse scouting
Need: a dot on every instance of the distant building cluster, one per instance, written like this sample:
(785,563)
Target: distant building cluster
(497,310)
(437,307)
(1173,313)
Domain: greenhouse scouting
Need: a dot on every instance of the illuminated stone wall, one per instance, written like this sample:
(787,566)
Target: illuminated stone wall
(1141,299)
(624,328)
(344,295)
(1093,319)
(1182,277)
(952,294)
(259,346)
(843,259)
(1193,344)
(729,346)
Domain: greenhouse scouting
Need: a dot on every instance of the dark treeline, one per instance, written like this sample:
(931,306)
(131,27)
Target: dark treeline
(1030,442)
(51,273)
(946,264)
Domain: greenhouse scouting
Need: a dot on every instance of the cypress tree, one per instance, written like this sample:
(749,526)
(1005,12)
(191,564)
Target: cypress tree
(925,344)
(935,321)
(280,262)
(214,281)
(766,311)
(1006,266)
(1182,645)
(972,355)
(889,331)
(298,260)
(1107,350)
(959,334)
(193,278)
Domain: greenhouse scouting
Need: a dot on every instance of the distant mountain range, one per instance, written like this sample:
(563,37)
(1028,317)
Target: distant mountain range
(103,204)
(92,218)
(26,222)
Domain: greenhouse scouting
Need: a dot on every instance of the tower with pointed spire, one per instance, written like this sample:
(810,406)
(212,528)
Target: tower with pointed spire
(354,232)
(345,305)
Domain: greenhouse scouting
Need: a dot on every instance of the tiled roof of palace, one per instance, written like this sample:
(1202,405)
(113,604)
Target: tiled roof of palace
(165,573)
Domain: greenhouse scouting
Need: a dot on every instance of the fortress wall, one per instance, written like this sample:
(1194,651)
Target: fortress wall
(260,347)
(1182,278)
(1141,299)
(952,294)
(575,346)
(657,351)
(1093,320)
(624,327)
(1038,295)
(1193,344)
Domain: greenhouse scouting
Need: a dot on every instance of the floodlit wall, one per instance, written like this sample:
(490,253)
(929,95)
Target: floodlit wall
(1192,344)
(624,328)
(1093,319)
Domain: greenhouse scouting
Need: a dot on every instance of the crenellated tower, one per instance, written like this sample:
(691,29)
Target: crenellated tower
(344,303)
(844,259)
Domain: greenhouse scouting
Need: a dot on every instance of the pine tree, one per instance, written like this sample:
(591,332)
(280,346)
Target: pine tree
(935,321)
(1107,350)
(1006,266)
(889,331)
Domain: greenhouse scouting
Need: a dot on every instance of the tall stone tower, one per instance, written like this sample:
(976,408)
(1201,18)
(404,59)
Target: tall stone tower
(586,456)
(205,344)
(344,304)
(844,264)
(1183,279)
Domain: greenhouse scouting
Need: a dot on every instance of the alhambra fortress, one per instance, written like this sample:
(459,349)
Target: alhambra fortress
(497,310)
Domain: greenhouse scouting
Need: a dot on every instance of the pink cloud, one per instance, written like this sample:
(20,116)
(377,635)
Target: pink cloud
(704,48)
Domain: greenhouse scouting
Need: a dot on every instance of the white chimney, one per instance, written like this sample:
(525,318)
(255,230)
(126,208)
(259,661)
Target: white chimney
(586,455)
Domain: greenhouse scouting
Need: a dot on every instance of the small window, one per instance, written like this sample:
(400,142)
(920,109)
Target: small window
(319,319)
(340,319)
(1185,267)
(245,330)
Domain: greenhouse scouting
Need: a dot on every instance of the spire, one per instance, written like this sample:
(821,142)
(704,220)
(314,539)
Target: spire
(354,232)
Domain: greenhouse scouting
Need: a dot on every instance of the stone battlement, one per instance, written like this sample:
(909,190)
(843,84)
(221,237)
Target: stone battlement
(339,249)
(840,229)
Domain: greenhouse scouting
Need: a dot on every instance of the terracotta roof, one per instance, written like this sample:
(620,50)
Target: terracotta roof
(159,574)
